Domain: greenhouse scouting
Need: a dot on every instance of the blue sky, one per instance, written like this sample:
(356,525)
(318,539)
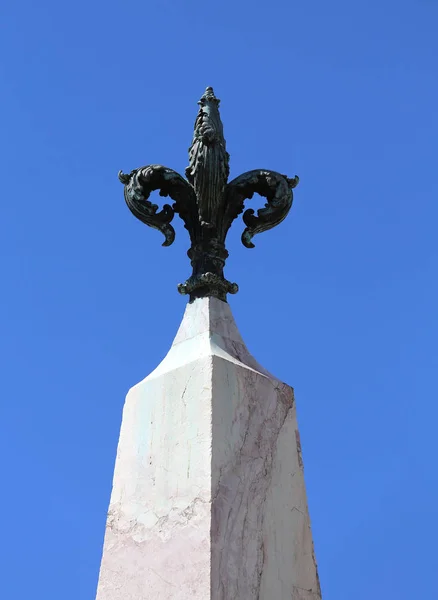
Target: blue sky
(339,301)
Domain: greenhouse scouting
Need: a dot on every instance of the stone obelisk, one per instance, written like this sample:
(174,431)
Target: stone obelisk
(208,499)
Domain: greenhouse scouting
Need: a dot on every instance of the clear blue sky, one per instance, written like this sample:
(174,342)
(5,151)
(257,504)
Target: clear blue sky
(340,301)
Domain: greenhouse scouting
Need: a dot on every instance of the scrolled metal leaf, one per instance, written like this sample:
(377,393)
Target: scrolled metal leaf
(273,186)
(138,186)
(208,168)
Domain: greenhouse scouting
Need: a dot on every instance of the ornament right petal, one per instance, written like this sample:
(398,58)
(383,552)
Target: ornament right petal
(273,186)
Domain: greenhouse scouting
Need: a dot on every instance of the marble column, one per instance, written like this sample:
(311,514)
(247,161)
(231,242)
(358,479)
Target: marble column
(208,499)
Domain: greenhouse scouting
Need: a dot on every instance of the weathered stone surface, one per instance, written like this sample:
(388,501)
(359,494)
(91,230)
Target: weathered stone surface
(208,497)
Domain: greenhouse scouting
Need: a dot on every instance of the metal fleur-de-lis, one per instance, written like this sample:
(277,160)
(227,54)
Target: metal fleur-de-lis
(207,203)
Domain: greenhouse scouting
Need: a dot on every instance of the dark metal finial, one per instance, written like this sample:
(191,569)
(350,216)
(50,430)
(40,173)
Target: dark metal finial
(208,94)
(207,203)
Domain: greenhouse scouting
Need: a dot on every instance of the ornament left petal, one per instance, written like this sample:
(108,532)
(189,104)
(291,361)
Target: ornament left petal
(141,182)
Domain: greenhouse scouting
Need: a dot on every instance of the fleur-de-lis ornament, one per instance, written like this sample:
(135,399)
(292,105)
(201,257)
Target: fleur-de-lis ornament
(207,203)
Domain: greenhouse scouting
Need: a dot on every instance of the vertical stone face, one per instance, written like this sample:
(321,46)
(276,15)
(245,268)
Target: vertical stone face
(208,497)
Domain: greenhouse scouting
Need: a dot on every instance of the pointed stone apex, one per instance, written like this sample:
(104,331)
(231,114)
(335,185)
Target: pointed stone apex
(207,329)
(208,315)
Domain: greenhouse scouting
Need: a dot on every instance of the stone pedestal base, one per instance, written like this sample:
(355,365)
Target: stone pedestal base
(208,499)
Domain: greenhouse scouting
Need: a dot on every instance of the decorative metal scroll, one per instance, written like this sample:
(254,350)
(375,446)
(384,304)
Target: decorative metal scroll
(207,203)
